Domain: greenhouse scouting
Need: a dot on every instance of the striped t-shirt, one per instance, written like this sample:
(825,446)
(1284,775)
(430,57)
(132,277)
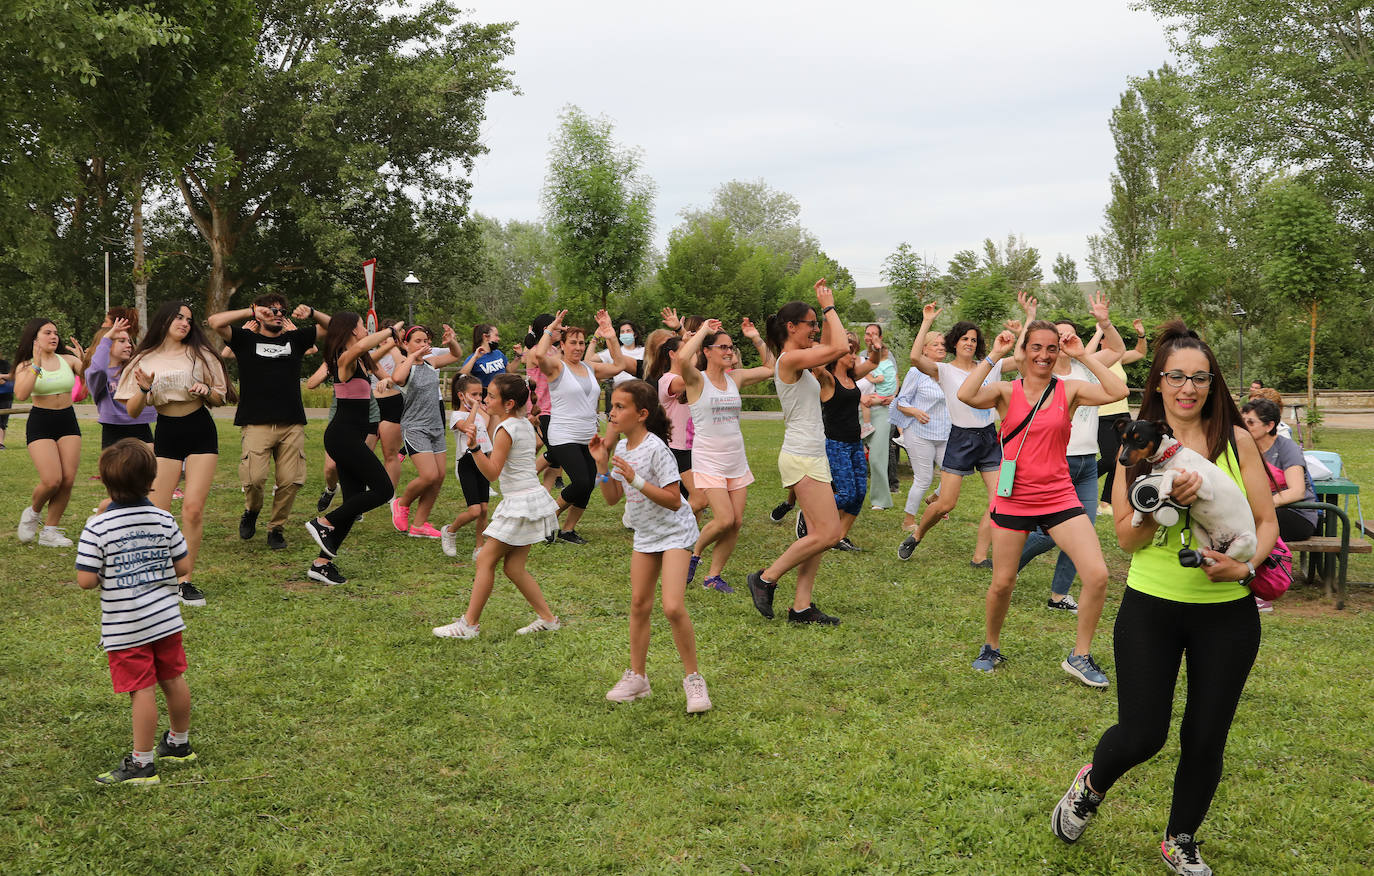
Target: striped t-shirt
(132,549)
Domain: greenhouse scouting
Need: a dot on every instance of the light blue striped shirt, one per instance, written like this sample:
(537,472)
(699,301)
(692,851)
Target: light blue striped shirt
(920,392)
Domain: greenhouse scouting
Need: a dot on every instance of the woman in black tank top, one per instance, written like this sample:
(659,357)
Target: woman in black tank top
(843,448)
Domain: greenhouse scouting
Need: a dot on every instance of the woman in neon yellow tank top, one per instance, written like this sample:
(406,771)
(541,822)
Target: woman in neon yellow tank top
(54,438)
(1169,611)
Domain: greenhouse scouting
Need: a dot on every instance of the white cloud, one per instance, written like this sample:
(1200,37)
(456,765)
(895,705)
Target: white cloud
(934,123)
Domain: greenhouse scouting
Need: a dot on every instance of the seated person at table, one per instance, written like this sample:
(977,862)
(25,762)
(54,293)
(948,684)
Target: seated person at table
(1261,418)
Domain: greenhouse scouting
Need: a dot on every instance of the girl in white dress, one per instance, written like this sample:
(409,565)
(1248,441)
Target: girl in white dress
(527,514)
(665,530)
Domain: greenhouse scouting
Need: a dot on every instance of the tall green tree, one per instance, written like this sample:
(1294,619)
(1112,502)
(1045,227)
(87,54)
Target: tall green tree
(1064,295)
(761,215)
(598,206)
(1307,255)
(912,282)
(710,270)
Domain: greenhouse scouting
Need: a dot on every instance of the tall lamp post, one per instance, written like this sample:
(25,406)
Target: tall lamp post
(1239,314)
(411,281)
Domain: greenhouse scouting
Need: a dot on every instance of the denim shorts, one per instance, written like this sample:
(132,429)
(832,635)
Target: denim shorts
(970,450)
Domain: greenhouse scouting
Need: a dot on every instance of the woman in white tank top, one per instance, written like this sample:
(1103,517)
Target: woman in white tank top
(719,465)
(802,461)
(573,389)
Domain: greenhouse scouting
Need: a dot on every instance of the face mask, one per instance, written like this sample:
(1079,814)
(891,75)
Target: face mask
(493,345)
(627,340)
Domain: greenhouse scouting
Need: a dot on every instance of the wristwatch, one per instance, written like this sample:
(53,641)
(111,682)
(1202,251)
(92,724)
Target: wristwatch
(826,309)
(1248,578)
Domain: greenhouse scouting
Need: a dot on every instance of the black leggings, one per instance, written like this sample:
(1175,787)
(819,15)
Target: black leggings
(1293,526)
(580,469)
(1152,635)
(364,480)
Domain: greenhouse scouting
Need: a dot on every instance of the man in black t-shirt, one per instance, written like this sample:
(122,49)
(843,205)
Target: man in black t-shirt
(270,410)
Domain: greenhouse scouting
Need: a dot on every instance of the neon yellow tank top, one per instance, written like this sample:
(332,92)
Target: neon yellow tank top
(56,382)
(1117,407)
(1155,569)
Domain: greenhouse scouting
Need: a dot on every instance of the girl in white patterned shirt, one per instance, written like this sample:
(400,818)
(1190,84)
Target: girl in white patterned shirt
(665,530)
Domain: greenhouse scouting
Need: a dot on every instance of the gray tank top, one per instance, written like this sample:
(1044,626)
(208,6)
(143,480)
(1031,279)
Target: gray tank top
(422,411)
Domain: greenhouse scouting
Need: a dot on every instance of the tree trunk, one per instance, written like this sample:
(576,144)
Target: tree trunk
(1311,362)
(140,273)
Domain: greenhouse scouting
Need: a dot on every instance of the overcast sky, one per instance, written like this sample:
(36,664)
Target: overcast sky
(935,123)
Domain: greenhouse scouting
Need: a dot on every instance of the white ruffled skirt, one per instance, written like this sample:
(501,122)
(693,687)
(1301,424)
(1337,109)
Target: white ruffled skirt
(525,517)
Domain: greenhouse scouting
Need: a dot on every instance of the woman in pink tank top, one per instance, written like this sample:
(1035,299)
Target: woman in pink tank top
(1042,493)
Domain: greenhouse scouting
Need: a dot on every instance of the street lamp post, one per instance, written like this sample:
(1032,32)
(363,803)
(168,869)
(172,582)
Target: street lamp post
(411,281)
(1239,314)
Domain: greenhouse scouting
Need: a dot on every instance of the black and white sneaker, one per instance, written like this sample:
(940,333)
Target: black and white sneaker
(323,536)
(845,544)
(1180,854)
(190,594)
(907,547)
(326,574)
(812,615)
(570,536)
(276,539)
(780,512)
(248,525)
(1075,809)
(1066,604)
(170,751)
(801,526)
(325,500)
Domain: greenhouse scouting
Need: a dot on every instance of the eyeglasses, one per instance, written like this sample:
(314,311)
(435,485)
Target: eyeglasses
(724,348)
(1176,379)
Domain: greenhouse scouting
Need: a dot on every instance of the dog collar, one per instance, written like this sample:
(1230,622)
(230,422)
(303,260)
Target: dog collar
(1164,457)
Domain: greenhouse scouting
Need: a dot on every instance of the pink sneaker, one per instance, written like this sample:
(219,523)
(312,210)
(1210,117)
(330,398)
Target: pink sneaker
(1263,604)
(697,698)
(631,687)
(400,515)
(425,531)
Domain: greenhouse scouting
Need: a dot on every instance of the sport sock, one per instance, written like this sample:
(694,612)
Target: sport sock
(178,738)
(143,758)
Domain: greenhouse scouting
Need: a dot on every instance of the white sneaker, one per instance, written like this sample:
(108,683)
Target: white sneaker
(539,626)
(51,536)
(459,629)
(475,552)
(865,430)
(29,525)
(631,687)
(449,542)
(697,698)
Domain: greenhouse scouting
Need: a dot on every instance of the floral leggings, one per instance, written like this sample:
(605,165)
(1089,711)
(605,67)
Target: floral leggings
(848,474)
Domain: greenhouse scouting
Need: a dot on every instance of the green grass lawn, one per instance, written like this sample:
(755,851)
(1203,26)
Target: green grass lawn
(337,734)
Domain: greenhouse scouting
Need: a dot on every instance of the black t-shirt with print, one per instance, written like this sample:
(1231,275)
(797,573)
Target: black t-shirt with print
(270,375)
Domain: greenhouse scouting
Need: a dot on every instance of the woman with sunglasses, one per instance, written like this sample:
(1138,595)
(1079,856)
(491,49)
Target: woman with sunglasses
(175,370)
(1168,613)
(708,365)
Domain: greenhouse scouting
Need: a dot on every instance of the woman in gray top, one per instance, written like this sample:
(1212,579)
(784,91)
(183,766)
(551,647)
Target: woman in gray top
(422,428)
(1261,419)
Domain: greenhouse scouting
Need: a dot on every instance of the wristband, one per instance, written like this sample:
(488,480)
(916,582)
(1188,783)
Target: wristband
(638,482)
(602,477)
(990,361)
(826,309)
(145,389)
(36,369)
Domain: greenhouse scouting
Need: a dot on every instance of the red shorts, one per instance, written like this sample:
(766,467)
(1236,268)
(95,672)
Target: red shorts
(145,665)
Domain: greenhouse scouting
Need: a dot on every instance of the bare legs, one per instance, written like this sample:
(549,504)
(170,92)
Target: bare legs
(945,501)
(56,463)
(423,489)
(200,475)
(817,501)
(1076,537)
(644,574)
(492,553)
(727,515)
(144,703)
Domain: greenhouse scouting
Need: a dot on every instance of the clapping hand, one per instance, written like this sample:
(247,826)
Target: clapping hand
(142,378)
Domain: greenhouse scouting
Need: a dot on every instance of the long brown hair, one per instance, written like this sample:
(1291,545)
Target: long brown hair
(338,338)
(1219,414)
(196,339)
(645,398)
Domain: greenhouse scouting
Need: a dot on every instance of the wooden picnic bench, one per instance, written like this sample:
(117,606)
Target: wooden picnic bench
(1328,555)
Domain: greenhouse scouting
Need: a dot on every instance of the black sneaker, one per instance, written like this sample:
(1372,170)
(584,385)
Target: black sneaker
(190,594)
(326,498)
(276,539)
(130,773)
(1065,604)
(985,564)
(571,537)
(248,525)
(762,593)
(845,544)
(323,536)
(812,615)
(326,574)
(780,512)
(558,482)
(168,751)
(801,526)
(907,547)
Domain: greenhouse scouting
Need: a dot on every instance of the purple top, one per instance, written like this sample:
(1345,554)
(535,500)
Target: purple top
(101,377)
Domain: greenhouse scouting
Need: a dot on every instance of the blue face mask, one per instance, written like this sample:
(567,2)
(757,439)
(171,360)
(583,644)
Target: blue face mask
(627,340)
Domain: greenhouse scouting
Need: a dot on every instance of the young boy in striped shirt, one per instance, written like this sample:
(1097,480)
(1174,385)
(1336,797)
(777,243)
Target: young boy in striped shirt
(134,551)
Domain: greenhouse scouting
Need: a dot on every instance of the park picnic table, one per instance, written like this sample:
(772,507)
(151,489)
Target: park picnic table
(1328,554)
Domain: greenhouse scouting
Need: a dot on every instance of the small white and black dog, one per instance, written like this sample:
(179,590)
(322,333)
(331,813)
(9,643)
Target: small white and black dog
(1221,518)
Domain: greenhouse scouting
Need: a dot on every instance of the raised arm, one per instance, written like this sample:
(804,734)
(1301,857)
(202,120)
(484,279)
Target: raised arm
(1109,388)
(759,373)
(834,342)
(1113,348)
(687,357)
(1142,344)
(919,359)
(401,374)
(453,350)
(619,361)
(972,391)
(222,323)
(359,347)
(305,311)
(550,364)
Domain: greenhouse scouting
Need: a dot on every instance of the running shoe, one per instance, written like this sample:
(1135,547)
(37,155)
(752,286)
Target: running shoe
(845,544)
(989,658)
(323,536)
(425,530)
(865,430)
(907,547)
(698,700)
(276,539)
(780,512)
(540,626)
(190,594)
(29,525)
(1066,604)
(716,582)
(1263,604)
(178,494)
(1180,854)
(448,542)
(570,536)
(325,574)
(1075,809)
(248,525)
(631,687)
(400,515)
(801,526)
(326,498)
(762,593)
(169,751)
(812,615)
(1082,667)
(459,629)
(51,536)
(692,567)
(982,564)
(129,772)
